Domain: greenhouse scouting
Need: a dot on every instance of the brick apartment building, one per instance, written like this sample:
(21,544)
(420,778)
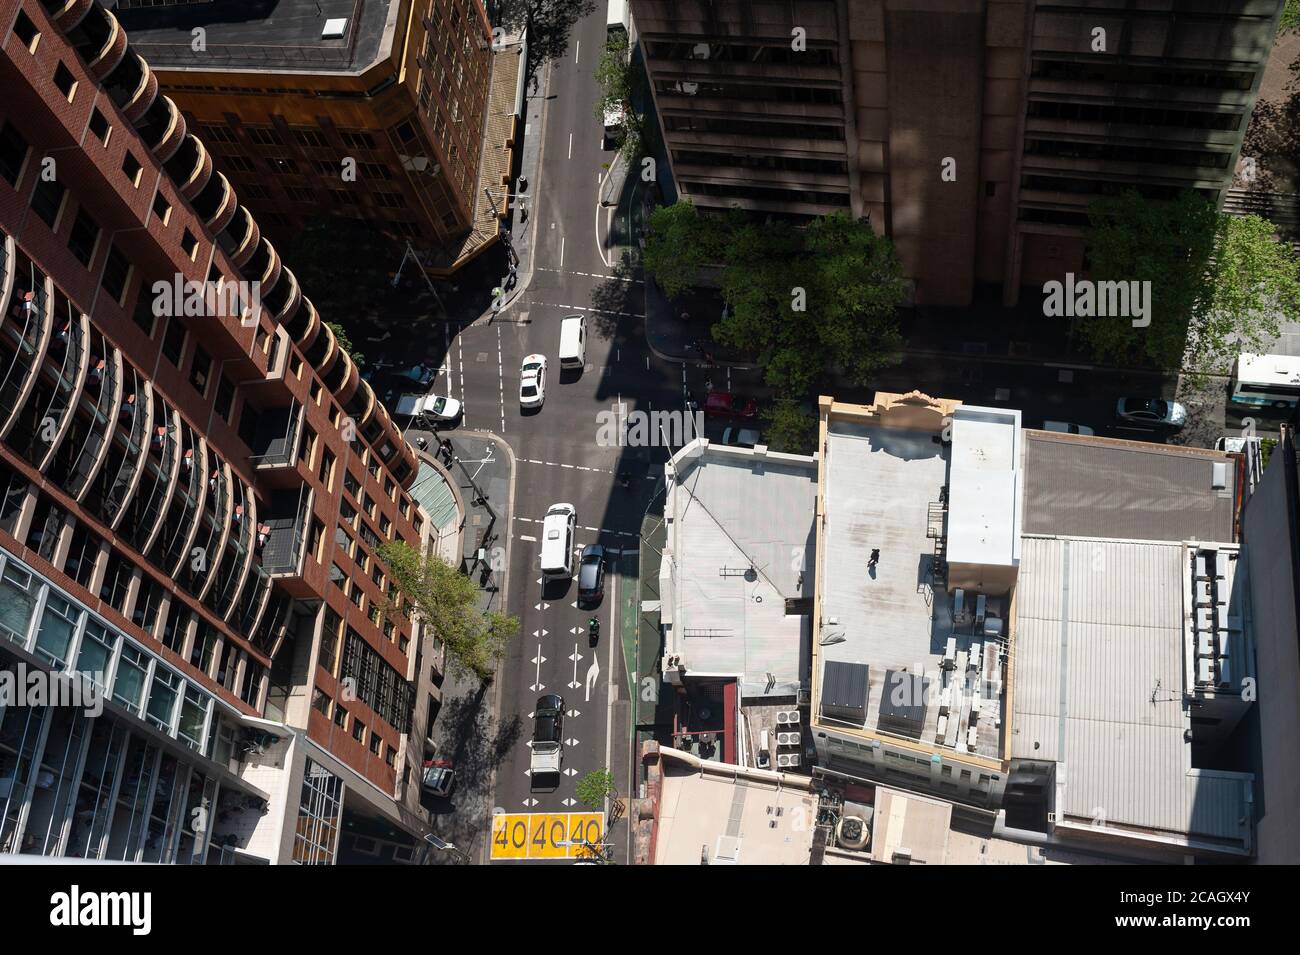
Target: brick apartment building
(1028,108)
(190,502)
(284,93)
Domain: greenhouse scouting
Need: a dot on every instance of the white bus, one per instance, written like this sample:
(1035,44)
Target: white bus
(1266,381)
(616,18)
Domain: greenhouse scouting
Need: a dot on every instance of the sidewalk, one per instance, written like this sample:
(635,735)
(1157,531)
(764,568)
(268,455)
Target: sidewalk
(468,729)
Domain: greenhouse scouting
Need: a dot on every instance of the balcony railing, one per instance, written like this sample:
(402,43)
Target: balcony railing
(282,531)
(275,444)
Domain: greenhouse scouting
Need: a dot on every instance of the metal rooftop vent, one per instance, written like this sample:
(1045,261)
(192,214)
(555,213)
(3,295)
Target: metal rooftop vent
(334,28)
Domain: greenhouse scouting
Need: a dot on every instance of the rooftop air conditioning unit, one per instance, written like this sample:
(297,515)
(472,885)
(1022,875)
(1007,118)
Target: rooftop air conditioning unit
(787,739)
(787,717)
(787,761)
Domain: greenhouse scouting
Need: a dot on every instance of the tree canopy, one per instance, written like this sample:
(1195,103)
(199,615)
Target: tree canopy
(439,596)
(798,298)
(1219,283)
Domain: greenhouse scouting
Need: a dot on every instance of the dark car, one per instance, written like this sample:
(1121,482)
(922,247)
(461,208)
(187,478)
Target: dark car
(729,405)
(591,574)
(548,719)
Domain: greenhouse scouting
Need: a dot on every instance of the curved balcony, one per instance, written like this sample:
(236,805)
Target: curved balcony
(240,238)
(289,295)
(303,323)
(67,15)
(126,80)
(360,404)
(216,203)
(98,38)
(320,353)
(263,267)
(191,167)
(163,127)
(144,97)
(340,373)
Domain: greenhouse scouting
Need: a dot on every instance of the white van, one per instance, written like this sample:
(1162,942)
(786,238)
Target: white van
(573,342)
(557,541)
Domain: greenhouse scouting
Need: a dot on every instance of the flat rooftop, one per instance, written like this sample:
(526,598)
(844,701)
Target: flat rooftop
(1099,690)
(1103,487)
(740,534)
(882,486)
(709,813)
(263,35)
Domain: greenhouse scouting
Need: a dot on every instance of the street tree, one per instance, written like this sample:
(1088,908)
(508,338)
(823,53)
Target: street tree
(438,596)
(548,24)
(790,428)
(345,343)
(679,242)
(614,76)
(1219,283)
(802,299)
(597,786)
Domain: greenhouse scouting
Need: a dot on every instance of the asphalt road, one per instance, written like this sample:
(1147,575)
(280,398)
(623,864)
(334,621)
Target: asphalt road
(558,454)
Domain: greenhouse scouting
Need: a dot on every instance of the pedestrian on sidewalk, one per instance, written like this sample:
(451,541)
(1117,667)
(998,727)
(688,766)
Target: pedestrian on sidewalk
(422,442)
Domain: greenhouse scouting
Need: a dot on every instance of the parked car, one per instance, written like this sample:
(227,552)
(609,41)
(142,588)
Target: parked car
(532,381)
(1151,411)
(439,777)
(591,574)
(730,405)
(740,437)
(1065,427)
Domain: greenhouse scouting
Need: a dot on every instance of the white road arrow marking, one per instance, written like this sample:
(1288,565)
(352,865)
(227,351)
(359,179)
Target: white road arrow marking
(593,671)
(570,772)
(574,605)
(541,633)
(530,802)
(576,631)
(574,714)
(568,802)
(542,606)
(571,742)
(538,685)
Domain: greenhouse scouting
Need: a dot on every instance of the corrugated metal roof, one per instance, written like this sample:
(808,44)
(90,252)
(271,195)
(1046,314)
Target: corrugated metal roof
(1098,488)
(1099,687)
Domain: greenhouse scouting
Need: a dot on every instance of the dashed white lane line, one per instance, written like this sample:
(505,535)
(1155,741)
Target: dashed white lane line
(583,308)
(528,537)
(594,275)
(501,381)
(575,467)
(598,530)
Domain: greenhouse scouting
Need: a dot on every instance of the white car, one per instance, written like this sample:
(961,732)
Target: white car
(1065,427)
(740,437)
(438,408)
(1151,411)
(532,381)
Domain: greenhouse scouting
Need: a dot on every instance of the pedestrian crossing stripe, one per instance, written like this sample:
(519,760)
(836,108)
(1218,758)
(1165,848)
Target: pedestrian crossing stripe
(546,835)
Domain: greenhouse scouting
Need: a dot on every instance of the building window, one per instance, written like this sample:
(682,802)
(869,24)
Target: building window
(99,126)
(189,244)
(358,730)
(117,269)
(340,716)
(26,32)
(238,163)
(13,152)
(174,341)
(65,81)
(263,135)
(320,811)
(47,200)
(85,234)
(132,168)
(225,398)
(161,208)
(200,368)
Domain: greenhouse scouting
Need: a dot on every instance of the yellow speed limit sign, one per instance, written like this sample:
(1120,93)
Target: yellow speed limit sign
(546,835)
